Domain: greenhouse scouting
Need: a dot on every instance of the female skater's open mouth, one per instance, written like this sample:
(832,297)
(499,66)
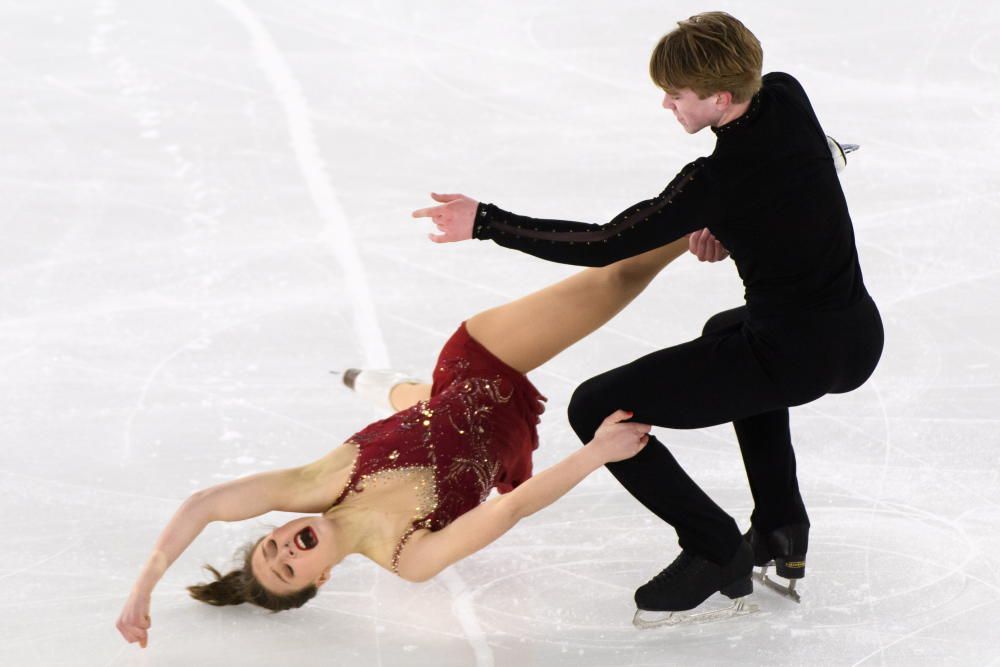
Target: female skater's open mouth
(306,539)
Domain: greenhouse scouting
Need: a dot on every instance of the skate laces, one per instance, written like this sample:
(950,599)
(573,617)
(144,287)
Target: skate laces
(683,561)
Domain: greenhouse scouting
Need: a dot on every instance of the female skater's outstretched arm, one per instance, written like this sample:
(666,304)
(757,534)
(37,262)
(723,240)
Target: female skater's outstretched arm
(302,489)
(428,553)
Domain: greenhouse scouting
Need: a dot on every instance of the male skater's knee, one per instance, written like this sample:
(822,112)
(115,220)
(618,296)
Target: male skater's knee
(715,323)
(727,319)
(587,410)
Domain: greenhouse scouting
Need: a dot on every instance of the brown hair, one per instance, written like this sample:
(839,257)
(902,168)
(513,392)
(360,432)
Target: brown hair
(708,53)
(239,586)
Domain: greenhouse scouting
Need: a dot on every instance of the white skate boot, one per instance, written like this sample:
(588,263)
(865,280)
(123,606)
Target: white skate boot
(839,152)
(375,384)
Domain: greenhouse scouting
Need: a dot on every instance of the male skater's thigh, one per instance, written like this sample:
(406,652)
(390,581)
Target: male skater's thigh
(710,380)
(726,322)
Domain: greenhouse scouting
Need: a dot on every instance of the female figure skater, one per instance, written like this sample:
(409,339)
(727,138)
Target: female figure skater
(770,194)
(409,492)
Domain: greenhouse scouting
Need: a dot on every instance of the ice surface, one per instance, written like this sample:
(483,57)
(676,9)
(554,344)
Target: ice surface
(206,208)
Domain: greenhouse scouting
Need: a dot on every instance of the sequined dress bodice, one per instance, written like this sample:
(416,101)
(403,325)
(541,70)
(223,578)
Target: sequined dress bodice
(476,433)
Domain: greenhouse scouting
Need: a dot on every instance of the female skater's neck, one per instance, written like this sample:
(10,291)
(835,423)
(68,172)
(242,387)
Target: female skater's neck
(350,528)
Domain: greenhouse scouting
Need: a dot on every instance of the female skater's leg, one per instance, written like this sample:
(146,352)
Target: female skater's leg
(531,330)
(406,394)
(527,332)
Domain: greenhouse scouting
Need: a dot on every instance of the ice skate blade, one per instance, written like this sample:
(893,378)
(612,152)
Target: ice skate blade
(787,591)
(644,620)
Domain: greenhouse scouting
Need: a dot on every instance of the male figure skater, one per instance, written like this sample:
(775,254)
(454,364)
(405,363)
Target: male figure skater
(770,194)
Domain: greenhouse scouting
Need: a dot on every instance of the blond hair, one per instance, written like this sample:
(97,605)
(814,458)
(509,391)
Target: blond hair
(708,53)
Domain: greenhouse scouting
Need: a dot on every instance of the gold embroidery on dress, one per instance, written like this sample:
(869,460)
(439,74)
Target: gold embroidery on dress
(476,469)
(478,466)
(423,486)
(428,500)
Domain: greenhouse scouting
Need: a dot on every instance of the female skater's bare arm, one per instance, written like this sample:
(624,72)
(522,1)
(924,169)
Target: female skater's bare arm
(289,490)
(429,553)
(303,489)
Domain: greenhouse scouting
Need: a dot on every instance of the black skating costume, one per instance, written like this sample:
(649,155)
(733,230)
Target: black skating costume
(770,193)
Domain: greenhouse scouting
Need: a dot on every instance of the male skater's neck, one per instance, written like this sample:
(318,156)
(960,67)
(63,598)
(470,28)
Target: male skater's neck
(732,113)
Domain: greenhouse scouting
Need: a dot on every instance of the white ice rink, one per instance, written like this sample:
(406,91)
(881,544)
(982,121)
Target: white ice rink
(206,207)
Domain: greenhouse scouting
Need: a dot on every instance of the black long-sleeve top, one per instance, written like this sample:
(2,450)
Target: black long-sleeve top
(769,192)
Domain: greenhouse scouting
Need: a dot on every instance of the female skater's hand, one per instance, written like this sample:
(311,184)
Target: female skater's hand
(134,620)
(706,247)
(617,439)
(454,218)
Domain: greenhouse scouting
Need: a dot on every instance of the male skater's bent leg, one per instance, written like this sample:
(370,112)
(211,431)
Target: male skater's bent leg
(656,480)
(707,381)
(766,445)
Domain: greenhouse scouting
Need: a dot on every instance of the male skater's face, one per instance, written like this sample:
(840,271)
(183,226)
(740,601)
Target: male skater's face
(692,113)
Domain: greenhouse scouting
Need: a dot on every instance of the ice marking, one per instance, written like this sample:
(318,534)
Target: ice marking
(336,233)
(462,607)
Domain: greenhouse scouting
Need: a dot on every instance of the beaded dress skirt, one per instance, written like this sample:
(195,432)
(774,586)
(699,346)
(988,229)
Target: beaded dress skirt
(477,432)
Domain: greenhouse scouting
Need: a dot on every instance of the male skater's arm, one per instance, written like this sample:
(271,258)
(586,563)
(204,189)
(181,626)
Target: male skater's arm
(691,202)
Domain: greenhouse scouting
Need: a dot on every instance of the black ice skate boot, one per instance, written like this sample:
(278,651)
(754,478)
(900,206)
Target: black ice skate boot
(689,581)
(784,547)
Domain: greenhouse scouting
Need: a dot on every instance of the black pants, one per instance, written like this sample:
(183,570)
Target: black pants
(744,371)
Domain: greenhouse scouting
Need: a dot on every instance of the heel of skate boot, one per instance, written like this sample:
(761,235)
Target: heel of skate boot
(349,376)
(761,555)
(738,588)
(793,567)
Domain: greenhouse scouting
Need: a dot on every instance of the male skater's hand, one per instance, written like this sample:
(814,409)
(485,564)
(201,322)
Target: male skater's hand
(454,218)
(618,439)
(706,247)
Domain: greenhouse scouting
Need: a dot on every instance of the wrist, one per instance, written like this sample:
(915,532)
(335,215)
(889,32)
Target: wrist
(150,574)
(141,591)
(481,221)
(593,455)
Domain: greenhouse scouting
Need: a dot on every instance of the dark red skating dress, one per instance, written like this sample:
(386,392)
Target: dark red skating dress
(477,432)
